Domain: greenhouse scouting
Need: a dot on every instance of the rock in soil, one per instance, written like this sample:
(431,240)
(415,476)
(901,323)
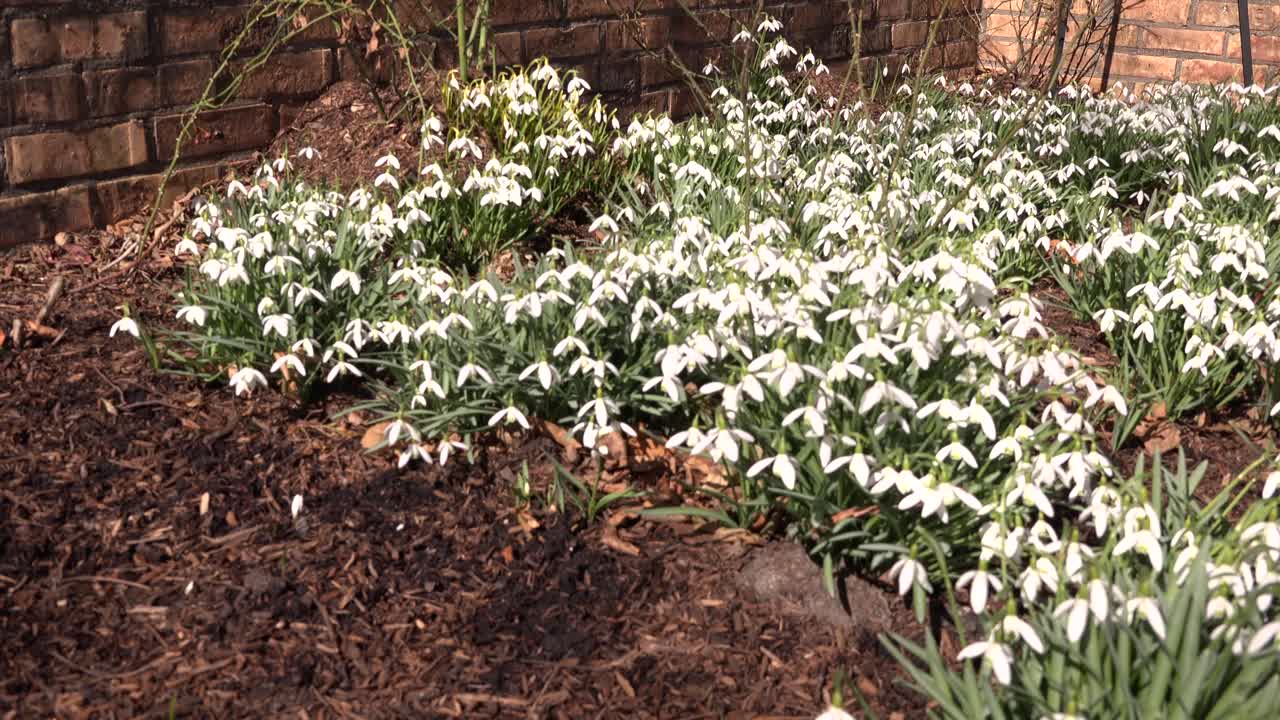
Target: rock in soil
(783,576)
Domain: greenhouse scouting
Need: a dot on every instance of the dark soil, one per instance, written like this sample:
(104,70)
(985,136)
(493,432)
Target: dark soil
(346,126)
(422,593)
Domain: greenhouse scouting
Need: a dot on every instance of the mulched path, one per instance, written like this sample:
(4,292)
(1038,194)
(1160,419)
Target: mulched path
(124,592)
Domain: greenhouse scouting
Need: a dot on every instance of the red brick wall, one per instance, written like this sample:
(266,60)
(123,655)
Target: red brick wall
(1160,40)
(92,91)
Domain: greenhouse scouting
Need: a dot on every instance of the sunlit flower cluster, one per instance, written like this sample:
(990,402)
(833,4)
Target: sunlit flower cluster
(839,308)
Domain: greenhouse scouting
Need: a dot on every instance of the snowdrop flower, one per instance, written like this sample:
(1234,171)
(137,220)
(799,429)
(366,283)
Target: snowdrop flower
(193,314)
(780,465)
(290,362)
(995,653)
(981,584)
(1078,611)
(124,324)
(470,369)
(295,507)
(246,379)
(910,573)
(1145,542)
(1271,485)
(414,451)
(345,277)
(1149,610)
(1012,625)
(509,415)
(545,372)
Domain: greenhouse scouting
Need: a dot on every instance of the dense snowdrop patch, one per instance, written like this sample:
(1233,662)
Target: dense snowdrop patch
(835,306)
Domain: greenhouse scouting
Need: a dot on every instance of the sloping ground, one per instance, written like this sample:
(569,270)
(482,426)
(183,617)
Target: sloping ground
(414,594)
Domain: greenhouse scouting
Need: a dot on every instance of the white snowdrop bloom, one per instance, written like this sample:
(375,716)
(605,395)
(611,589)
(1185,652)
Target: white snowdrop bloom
(1149,610)
(1014,626)
(244,380)
(1111,396)
(469,369)
(1271,485)
(1040,575)
(909,573)
(340,368)
(997,654)
(981,584)
(295,507)
(782,467)
(509,415)
(290,362)
(346,278)
(955,451)
(125,325)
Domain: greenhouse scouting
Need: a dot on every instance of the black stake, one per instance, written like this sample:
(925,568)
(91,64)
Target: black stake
(1112,32)
(1246,42)
(1060,42)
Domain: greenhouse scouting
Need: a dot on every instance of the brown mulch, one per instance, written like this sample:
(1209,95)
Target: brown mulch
(149,566)
(348,130)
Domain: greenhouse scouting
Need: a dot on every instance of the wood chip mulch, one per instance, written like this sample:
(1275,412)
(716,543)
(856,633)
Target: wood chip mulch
(149,565)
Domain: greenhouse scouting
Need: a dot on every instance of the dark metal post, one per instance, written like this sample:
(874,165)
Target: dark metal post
(1246,42)
(1111,45)
(1059,44)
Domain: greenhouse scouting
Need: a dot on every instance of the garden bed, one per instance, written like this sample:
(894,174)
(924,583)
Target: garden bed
(399,593)
(941,345)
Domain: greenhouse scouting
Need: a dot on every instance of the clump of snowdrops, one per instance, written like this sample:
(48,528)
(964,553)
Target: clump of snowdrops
(835,307)
(1170,612)
(294,280)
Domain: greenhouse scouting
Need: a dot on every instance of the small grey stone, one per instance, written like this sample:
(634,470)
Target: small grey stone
(783,574)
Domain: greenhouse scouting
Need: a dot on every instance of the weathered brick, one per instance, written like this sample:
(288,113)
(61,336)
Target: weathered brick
(1167,11)
(1207,42)
(619,75)
(116,199)
(658,70)
(507,48)
(356,67)
(39,41)
(584,9)
(1210,71)
(120,91)
(48,99)
(892,9)
(57,155)
(36,217)
(1265,48)
(289,74)
(649,33)
(216,132)
(556,43)
(875,40)
(961,54)
(208,30)
(182,83)
(508,12)
(1006,25)
(997,53)
(1144,66)
(701,28)
(1262,18)
(910,34)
